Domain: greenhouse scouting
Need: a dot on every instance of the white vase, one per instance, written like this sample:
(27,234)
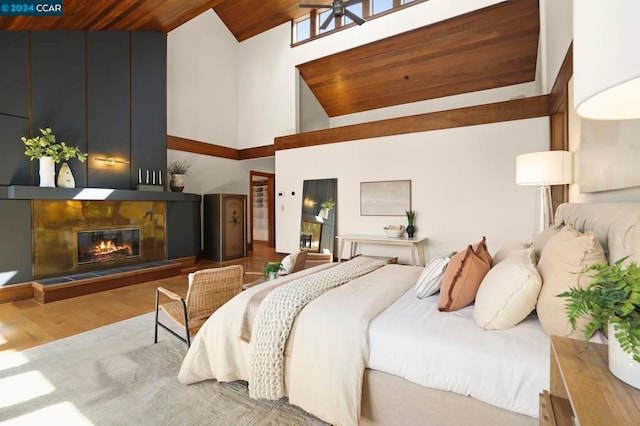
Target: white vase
(272,275)
(47,172)
(65,177)
(621,363)
(176,184)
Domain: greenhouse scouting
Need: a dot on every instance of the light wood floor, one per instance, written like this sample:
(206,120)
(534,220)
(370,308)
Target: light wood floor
(25,323)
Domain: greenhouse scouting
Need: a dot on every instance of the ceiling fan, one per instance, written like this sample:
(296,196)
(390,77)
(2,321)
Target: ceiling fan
(339,8)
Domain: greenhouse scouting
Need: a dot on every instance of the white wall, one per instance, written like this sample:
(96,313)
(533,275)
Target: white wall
(556,30)
(463,184)
(267,90)
(202,81)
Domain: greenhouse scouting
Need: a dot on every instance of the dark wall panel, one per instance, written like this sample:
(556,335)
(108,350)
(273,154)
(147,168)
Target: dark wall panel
(148,103)
(183,229)
(108,108)
(15,244)
(58,90)
(14,73)
(14,165)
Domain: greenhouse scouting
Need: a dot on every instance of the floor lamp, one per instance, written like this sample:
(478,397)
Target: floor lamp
(543,169)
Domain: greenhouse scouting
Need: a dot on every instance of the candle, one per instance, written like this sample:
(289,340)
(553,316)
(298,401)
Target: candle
(153,177)
(147,176)
(139,175)
(159,177)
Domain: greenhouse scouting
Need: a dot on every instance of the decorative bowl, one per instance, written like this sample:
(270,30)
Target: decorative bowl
(394,231)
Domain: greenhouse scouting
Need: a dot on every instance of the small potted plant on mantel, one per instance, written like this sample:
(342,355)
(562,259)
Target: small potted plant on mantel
(48,152)
(612,300)
(271,270)
(178,169)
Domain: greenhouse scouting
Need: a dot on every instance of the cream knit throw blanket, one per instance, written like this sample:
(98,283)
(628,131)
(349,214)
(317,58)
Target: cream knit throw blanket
(275,316)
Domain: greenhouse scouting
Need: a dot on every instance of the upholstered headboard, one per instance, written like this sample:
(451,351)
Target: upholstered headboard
(616,225)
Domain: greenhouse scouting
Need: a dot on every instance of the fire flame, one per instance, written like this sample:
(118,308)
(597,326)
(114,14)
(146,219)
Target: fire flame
(108,246)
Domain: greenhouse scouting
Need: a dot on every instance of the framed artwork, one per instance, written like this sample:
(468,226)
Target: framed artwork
(386,198)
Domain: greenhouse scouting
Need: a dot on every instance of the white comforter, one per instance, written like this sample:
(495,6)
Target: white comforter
(448,351)
(326,351)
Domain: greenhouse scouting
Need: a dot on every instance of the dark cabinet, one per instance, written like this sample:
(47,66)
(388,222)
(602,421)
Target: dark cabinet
(148,103)
(224,226)
(108,108)
(58,90)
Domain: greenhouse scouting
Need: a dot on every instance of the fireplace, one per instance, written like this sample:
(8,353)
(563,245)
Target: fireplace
(107,245)
(74,237)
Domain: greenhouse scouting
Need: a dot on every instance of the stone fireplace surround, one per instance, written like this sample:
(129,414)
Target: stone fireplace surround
(181,225)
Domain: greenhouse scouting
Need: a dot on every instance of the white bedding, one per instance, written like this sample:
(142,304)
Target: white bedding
(448,351)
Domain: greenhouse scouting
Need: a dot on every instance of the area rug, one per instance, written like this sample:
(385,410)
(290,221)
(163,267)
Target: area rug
(115,375)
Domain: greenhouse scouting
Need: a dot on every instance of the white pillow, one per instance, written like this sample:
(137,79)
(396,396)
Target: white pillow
(430,279)
(506,250)
(288,262)
(509,292)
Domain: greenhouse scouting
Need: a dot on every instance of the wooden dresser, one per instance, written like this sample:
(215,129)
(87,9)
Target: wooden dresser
(583,390)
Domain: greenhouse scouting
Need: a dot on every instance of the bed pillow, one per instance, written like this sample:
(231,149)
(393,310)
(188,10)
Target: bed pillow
(481,250)
(507,250)
(462,278)
(288,262)
(431,277)
(508,292)
(567,254)
(544,237)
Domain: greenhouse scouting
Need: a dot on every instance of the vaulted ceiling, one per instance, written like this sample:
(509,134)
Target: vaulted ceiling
(244,18)
(492,47)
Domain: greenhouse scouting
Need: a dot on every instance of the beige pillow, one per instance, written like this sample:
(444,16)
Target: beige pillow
(506,251)
(543,238)
(462,278)
(566,254)
(509,292)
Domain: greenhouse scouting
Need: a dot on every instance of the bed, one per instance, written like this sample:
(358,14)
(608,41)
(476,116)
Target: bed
(369,352)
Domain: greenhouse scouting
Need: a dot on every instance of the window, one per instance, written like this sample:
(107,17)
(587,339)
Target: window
(302,30)
(406,1)
(323,16)
(379,6)
(355,9)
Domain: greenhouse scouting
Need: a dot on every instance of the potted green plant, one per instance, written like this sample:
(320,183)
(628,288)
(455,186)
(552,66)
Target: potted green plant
(271,270)
(327,205)
(178,169)
(411,214)
(48,151)
(612,300)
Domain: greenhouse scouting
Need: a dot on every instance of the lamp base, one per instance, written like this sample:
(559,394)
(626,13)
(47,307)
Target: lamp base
(543,217)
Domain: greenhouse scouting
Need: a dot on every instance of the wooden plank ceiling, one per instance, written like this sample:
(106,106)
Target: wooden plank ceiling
(244,18)
(126,15)
(488,48)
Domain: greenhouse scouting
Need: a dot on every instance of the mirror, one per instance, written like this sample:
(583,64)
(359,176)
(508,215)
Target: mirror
(318,225)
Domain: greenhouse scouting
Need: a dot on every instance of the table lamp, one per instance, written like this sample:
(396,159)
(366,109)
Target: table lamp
(543,169)
(606,63)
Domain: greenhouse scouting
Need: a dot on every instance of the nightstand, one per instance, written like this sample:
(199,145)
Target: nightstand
(583,390)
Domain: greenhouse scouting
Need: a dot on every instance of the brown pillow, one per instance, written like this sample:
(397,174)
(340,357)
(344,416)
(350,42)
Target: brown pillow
(481,250)
(567,254)
(463,276)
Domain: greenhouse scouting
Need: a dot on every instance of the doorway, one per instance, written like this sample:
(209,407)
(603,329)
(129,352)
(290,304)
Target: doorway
(262,208)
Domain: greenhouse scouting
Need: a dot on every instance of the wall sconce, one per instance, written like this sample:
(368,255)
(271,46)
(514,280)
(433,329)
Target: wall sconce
(606,63)
(110,161)
(308,202)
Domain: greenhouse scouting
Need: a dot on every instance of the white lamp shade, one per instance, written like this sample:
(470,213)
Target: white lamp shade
(543,168)
(606,59)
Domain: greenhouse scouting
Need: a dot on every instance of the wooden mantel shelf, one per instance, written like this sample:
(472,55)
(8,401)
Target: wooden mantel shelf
(16,192)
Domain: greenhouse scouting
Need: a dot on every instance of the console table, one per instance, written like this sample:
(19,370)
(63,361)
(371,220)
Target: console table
(414,243)
(582,389)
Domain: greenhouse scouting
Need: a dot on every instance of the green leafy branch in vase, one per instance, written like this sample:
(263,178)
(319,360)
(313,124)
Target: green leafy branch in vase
(45,145)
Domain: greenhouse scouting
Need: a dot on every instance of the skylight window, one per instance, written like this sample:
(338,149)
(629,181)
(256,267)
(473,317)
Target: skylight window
(322,16)
(302,29)
(356,9)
